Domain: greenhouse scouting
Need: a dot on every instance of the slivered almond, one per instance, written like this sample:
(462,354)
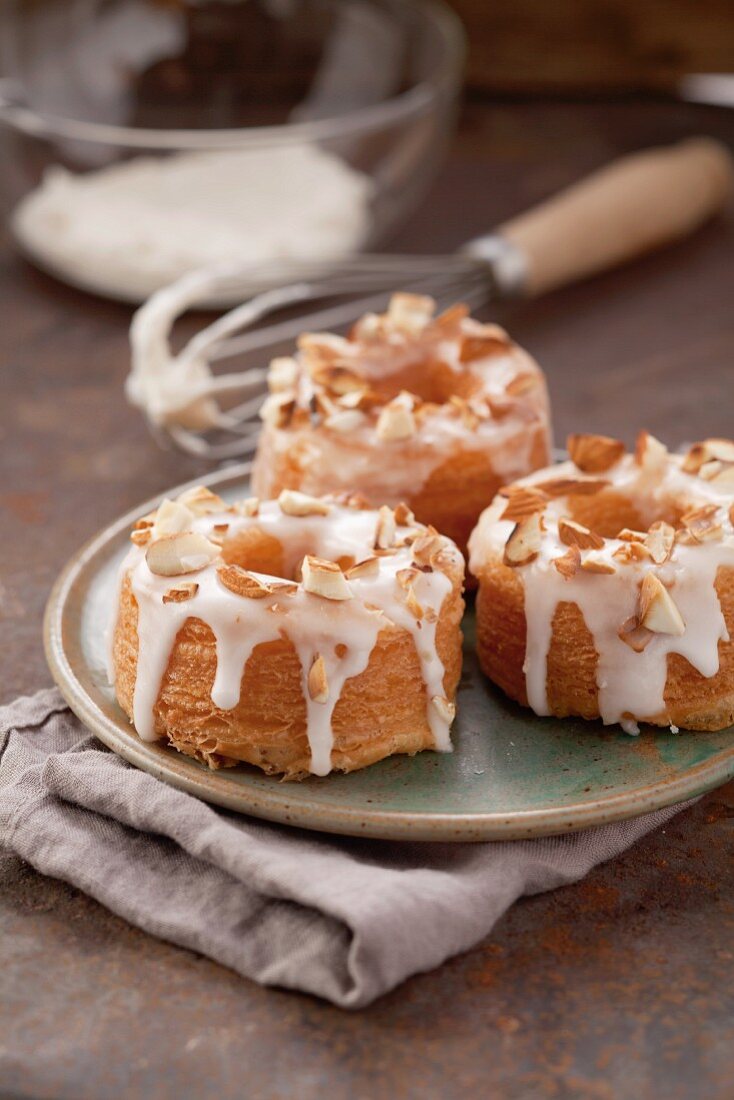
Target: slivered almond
(248,507)
(524,542)
(650,453)
(396,420)
(403,515)
(282,374)
(656,609)
(318,684)
(202,501)
(185,552)
(444,708)
(141,537)
(702,524)
(595,565)
(406,577)
(659,541)
(635,636)
(243,583)
(410,313)
(721,450)
(575,534)
(524,502)
(710,469)
(181,592)
(294,503)
(386,528)
(277,410)
(324,578)
(569,563)
(571,486)
(593,454)
(172,516)
(368,568)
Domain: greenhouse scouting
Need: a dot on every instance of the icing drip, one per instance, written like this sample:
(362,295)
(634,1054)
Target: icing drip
(631,684)
(342,632)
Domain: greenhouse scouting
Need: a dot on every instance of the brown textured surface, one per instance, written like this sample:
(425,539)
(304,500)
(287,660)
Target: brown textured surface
(621,986)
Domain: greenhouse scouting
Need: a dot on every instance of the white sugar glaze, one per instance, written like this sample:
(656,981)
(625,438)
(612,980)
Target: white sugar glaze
(631,685)
(315,626)
(329,459)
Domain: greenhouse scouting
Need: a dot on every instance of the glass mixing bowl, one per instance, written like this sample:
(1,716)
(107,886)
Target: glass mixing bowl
(276,111)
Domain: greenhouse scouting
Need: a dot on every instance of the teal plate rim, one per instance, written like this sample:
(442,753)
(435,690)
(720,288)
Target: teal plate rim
(659,780)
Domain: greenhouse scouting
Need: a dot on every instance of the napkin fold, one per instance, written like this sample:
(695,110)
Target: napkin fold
(345,919)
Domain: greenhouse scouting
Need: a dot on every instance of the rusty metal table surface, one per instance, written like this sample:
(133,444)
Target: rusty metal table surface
(620,986)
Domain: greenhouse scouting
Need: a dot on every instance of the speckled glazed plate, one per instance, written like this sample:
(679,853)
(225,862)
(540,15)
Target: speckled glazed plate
(511,774)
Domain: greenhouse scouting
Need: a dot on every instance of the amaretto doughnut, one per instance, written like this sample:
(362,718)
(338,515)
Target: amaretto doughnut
(606,585)
(299,634)
(438,412)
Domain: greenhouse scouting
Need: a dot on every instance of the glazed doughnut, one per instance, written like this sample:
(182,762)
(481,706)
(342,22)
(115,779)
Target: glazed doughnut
(436,411)
(300,635)
(606,585)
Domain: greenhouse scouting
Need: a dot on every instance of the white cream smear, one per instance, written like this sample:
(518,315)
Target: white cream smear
(131,228)
(631,684)
(314,625)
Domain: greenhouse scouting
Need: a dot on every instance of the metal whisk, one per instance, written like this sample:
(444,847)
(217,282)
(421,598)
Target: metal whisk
(628,208)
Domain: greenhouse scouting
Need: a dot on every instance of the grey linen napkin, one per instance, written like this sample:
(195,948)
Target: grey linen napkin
(342,918)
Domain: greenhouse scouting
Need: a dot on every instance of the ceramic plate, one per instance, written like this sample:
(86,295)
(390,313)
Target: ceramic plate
(511,774)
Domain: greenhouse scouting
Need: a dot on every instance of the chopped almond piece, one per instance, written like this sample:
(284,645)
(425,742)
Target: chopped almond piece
(702,524)
(521,384)
(524,501)
(242,582)
(479,341)
(403,515)
(634,635)
(185,552)
(632,551)
(444,708)
(345,420)
(370,567)
(410,313)
(452,317)
(324,578)
(593,454)
(656,609)
(386,529)
(337,378)
(277,410)
(282,374)
(181,593)
(141,537)
(659,541)
(650,453)
(426,548)
(294,503)
(202,501)
(469,419)
(721,450)
(595,565)
(396,420)
(569,563)
(248,507)
(172,516)
(571,486)
(627,534)
(575,534)
(318,685)
(524,542)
